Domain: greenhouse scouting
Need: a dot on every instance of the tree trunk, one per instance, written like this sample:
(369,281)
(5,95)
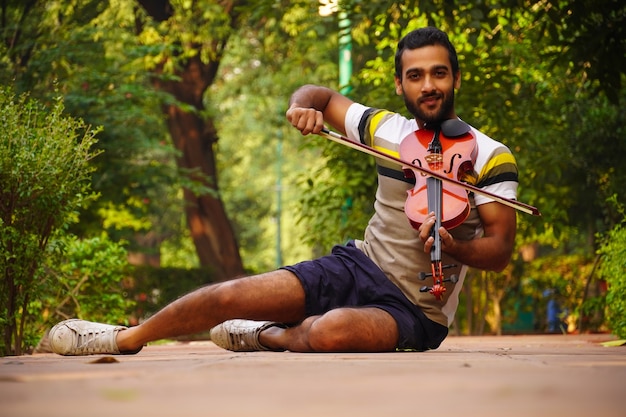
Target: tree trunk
(210,228)
(194,137)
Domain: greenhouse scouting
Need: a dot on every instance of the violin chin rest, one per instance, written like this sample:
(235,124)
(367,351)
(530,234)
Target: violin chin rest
(453,128)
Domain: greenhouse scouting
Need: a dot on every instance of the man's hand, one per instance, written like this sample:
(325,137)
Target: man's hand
(447,241)
(306,120)
(491,251)
(311,106)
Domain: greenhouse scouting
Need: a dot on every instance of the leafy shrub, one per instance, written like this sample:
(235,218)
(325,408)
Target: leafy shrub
(45,177)
(613,271)
(89,282)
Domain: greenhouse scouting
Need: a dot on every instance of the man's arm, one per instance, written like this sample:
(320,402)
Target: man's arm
(490,252)
(311,106)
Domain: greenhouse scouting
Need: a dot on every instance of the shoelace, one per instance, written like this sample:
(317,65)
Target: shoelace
(94,341)
(246,337)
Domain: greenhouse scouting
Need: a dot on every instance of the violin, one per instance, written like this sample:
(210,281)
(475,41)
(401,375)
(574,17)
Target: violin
(453,129)
(449,149)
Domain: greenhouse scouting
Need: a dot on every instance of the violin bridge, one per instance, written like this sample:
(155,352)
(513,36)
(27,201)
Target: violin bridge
(434,158)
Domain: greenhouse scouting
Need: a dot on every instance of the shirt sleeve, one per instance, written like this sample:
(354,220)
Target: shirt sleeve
(353,119)
(497,172)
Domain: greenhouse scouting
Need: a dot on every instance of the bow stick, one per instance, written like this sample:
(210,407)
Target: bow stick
(336,137)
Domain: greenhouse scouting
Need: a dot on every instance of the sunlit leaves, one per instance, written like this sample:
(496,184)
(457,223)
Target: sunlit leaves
(613,250)
(45,178)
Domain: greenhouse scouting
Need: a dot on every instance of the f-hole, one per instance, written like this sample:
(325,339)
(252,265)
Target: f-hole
(449,170)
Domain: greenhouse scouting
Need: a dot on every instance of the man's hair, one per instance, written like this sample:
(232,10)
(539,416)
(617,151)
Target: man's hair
(427,36)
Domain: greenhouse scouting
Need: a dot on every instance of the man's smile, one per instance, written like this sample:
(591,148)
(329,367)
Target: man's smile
(430,100)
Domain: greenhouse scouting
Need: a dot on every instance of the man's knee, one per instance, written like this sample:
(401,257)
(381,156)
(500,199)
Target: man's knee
(330,332)
(353,330)
(222,295)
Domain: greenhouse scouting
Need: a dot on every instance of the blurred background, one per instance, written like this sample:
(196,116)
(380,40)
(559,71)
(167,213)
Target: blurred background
(171,165)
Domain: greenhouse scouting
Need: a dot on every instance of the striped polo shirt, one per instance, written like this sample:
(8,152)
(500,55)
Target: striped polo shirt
(389,239)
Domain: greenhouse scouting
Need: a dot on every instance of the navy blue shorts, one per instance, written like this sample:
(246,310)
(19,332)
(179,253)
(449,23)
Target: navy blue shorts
(348,278)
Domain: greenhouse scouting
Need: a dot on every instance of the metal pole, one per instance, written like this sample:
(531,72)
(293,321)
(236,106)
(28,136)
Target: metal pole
(345,53)
(279,197)
(345,75)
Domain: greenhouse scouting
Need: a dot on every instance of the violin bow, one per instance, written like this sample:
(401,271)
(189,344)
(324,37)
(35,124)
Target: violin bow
(336,137)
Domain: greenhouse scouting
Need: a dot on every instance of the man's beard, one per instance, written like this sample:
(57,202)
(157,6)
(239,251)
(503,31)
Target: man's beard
(443,113)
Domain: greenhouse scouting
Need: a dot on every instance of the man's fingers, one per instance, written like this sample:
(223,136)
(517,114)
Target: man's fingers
(306,120)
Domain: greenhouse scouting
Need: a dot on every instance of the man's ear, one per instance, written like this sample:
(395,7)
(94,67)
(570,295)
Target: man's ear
(398,85)
(457,81)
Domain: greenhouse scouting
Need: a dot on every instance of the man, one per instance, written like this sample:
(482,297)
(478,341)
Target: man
(364,297)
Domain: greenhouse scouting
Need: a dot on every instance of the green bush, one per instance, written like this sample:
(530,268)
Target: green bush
(88,281)
(45,178)
(82,278)
(613,271)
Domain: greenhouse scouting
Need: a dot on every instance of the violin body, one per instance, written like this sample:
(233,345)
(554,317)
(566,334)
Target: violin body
(453,157)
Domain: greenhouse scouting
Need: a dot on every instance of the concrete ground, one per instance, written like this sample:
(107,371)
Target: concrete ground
(538,375)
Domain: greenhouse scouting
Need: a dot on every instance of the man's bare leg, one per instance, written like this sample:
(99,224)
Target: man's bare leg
(276,296)
(339,330)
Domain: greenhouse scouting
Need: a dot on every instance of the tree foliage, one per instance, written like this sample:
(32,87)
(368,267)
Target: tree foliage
(591,37)
(85,279)
(544,77)
(44,180)
(613,251)
(86,52)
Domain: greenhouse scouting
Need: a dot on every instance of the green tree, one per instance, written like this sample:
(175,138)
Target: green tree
(86,280)
(261,70)
(87,52)
(44,180)
(613,252)
(590,36)
(190,40)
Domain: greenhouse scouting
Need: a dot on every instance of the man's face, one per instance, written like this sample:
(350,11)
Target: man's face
(427,84)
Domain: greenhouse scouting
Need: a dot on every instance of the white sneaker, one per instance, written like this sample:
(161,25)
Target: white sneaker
(80,337)
(241,335)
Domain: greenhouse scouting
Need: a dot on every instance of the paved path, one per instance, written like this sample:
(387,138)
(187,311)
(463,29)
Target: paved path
(467,376)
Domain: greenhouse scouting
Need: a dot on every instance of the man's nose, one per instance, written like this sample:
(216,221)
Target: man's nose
(428,84)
